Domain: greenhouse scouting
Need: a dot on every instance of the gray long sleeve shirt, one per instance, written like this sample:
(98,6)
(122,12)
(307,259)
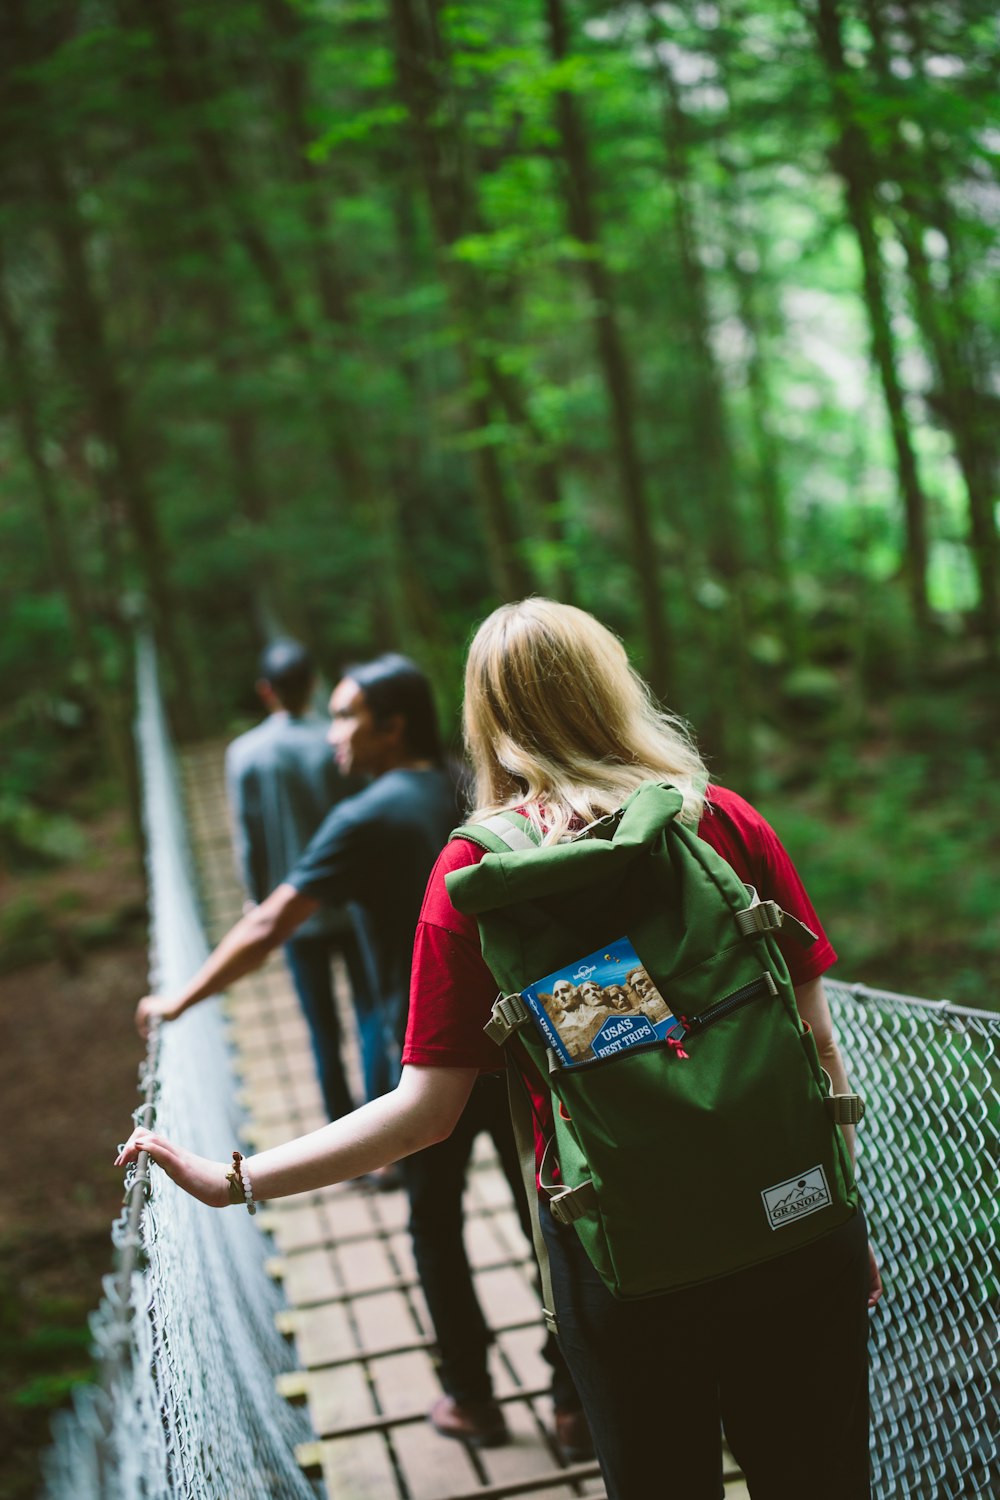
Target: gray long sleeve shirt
(282,780)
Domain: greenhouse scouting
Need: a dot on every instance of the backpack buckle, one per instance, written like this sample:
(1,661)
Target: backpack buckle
(591,828)
(509,1014)
(767,916)
(845,1109)
(571,1204)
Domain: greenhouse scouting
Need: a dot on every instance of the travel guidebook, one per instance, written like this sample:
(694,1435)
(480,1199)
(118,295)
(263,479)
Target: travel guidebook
(600,1006)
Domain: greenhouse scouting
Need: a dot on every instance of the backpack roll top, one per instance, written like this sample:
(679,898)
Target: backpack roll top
(691,1110)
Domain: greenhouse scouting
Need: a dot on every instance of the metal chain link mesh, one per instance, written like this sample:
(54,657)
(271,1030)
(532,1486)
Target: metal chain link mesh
(928,1152)
(188,1350)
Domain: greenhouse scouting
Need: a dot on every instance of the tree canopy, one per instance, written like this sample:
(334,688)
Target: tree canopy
(364,317)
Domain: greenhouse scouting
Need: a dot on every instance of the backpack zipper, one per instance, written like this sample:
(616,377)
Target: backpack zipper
(745,995)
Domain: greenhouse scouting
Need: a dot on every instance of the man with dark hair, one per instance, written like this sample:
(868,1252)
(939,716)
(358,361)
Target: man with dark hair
(375,850)
(281,782)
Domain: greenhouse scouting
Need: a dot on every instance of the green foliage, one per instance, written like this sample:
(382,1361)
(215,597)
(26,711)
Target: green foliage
(900,853)
(48,1392)
(300,319)
(27,834)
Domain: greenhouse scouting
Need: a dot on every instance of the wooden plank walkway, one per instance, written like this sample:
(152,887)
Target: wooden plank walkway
(355,1309)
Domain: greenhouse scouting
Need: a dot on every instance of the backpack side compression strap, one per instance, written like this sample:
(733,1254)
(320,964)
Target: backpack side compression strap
(502,834)
(524,1139)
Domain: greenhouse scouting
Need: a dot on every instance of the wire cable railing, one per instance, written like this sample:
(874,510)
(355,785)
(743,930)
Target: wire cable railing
(185,1339)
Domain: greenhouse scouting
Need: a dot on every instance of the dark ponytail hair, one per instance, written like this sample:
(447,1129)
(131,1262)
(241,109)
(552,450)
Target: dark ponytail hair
(393,684)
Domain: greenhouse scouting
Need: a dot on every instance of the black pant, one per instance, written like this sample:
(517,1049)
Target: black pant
(777,1354)
(435,1181)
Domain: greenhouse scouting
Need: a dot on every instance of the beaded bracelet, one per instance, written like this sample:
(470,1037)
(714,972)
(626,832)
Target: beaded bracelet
(240,1188)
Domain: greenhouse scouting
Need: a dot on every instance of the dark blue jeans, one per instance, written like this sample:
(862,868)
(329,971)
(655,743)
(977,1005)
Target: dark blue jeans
(435,1181)
(308,960)
(776,1354)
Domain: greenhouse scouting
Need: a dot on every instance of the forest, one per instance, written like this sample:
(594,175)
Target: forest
(353,318)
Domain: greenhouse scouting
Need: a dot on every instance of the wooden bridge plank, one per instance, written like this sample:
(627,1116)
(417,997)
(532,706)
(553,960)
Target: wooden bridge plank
(324,1334)
(359,1469)
(347,1262)
(434,1467)
(339,1398)
(387,1319)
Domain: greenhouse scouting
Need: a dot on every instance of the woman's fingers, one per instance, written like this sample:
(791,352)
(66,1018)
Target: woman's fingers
(874,1277)
(203,1179)
(136,1142)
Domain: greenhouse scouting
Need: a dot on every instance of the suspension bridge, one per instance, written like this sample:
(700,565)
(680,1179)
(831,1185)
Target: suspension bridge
(290,1355)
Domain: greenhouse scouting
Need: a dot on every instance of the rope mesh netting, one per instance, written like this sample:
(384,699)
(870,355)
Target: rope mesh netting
(185,1338)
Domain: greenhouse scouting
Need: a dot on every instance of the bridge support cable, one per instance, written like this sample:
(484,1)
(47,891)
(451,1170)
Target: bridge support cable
(186,1341)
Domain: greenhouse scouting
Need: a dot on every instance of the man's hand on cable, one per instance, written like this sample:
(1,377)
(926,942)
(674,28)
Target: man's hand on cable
(153,1008)
(203,1179)
(243,949)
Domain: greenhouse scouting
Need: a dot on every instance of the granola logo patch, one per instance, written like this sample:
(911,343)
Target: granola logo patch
(796,1198)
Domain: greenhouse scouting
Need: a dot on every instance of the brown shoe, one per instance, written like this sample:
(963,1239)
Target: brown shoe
(479,1423)
(573,1436)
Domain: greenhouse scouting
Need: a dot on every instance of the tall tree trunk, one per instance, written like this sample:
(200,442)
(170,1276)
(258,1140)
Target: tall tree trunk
(101,697)
(97,375)
(215,184)
(767,449)
(124,482)
(218,186)
(941,322)
(377,499)
(582,220)
(733,706)
(707,408)
(852,158)
(546,480)
(441,155)
(740,235)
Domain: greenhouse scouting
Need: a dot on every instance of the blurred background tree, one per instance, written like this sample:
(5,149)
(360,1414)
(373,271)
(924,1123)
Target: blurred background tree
(365,317)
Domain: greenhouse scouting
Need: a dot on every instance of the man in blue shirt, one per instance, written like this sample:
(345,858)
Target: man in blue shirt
(281,781)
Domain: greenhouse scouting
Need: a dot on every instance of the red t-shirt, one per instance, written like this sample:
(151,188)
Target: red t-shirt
(452,991)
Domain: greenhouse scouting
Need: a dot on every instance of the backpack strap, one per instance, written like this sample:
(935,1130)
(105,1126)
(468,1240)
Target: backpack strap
(504,833)
(524,1137)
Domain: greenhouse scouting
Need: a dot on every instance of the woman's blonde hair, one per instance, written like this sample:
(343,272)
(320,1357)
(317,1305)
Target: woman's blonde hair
(557,720)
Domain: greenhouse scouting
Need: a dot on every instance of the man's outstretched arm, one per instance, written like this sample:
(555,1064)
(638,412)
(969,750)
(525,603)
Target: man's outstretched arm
(243,949)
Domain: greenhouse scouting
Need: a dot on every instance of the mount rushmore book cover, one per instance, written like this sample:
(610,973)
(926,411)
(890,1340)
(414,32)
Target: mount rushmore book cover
(599,1006)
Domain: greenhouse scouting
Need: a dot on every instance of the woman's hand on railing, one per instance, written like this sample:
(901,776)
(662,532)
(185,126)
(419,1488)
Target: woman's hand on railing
(203,1179)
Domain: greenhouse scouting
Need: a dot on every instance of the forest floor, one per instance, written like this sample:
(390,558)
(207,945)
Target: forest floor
(68,1070)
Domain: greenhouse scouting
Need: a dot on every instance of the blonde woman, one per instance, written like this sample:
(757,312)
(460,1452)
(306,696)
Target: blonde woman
(559,726)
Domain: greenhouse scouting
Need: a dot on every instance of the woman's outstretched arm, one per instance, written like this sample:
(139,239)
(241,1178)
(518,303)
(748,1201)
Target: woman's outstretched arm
(423,1109)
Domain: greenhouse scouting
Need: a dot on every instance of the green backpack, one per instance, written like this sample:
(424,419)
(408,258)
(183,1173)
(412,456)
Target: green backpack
(695,1131)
